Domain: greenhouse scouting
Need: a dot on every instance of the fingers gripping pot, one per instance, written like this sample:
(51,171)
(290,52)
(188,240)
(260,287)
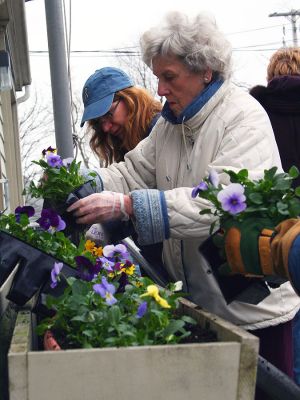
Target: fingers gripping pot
(102,207)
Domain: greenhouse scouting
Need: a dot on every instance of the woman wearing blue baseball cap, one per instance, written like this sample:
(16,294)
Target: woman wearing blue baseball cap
(119,115)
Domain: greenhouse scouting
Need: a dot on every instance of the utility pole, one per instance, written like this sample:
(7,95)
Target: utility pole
(59,78)
(292,16)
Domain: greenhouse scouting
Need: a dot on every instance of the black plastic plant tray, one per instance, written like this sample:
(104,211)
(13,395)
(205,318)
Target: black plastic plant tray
(33,268)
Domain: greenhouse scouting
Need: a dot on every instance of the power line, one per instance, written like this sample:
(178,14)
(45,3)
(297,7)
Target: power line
(92,51)
(253,30)
(257,45)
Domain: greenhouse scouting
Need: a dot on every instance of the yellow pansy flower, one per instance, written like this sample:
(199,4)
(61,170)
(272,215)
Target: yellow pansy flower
(97,251)
(153,291)
(89,245)
(129,270)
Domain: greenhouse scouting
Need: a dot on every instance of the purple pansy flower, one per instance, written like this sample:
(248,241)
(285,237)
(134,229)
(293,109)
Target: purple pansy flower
(106,291)
(67,162)
(142,309)
(50,219)
(48,150)
(118,266)
(119,251)
(61,225)
(232,198)
(55,274)
(54,160)
(28,210)
(200,188)
(123,281)
(107,264)
(86,269)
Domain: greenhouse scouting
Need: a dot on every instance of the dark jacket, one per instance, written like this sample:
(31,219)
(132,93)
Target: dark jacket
(281,100)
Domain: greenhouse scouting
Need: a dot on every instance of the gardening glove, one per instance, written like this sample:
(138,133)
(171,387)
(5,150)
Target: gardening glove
(285,251)
(246,248)
(98,234)
(101,207)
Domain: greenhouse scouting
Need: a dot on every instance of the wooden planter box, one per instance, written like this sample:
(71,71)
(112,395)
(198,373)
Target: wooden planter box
(225,369)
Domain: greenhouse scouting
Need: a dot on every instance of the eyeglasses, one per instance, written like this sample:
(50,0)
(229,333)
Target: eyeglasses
(110,114)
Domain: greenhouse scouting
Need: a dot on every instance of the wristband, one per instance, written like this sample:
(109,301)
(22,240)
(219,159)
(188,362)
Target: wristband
(125,216)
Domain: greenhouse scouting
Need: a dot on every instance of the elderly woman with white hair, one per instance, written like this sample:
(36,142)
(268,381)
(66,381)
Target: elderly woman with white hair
(207,123)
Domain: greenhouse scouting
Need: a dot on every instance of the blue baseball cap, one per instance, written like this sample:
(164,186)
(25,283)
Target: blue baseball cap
(99,90)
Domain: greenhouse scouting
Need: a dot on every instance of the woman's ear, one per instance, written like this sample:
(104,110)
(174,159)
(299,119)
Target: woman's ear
(207,76)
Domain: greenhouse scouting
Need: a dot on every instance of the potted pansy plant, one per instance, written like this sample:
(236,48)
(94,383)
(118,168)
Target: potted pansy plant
(110,304)
(31,243)
(254,222)
(60,177)
(62,182)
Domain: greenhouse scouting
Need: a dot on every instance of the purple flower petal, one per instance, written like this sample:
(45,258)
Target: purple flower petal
(232,198)
(200,188)
(86,269)
(123,281)
(54,160)
(49,218)
(110,299)
(108,250)
(106,291)
(107,264)
(99,289)
(214,178)
(28,210)
(142,309)
(119,251)
(55,274)
(25,210)
(108,286)
(61,225)
(67,161)
(48,150)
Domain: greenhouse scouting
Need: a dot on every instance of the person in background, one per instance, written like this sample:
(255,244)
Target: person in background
(118,116)
(207,124)
(281,99)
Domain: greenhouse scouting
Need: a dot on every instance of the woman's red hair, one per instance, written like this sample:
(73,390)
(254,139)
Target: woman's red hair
(142,108)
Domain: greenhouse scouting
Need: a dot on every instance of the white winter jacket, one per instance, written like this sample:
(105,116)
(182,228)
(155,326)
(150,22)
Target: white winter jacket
(231,131)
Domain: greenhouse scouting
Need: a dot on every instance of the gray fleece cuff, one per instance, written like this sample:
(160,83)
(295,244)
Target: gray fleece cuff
(151,216)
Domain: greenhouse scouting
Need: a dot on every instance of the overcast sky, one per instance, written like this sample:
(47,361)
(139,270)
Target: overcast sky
(98,25)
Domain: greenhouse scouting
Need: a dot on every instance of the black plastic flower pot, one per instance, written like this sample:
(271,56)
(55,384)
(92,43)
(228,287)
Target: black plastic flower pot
(72,230)
(33,268)
(10,253)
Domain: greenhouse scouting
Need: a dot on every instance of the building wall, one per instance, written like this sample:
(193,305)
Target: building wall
(13,38)
(11,168)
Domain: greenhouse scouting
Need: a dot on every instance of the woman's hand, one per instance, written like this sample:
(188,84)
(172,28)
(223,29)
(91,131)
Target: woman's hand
(101,207)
